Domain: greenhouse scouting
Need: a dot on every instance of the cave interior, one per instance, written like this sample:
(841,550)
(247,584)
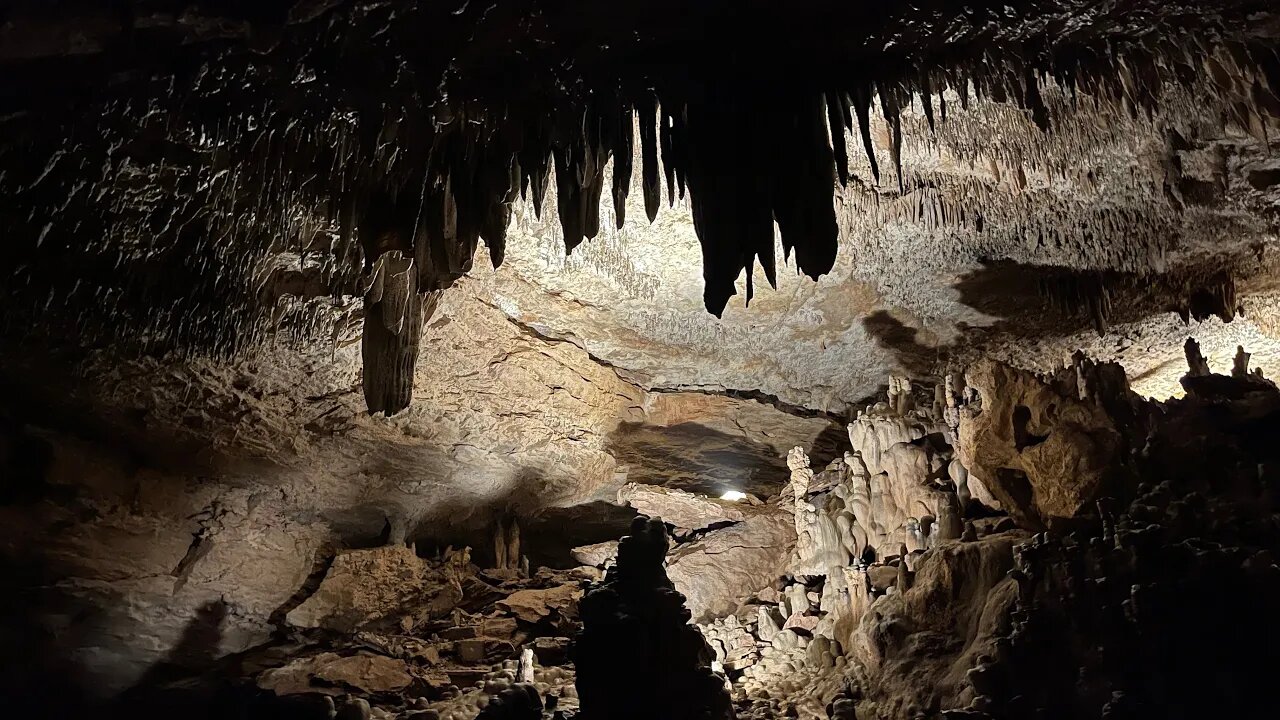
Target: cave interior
(914,365)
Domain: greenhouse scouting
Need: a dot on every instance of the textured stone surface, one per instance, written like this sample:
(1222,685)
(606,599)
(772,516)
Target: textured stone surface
(172,509)
(1048,448)
(718,570)
(366,672)
(959,600)
(380,589)
(682,509)
(534,605)
(596,555)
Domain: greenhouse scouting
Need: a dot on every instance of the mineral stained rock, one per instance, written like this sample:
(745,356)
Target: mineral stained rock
(892,489)
(1048,448)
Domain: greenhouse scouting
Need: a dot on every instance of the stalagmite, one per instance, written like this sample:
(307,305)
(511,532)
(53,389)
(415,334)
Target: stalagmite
(950,524)
(1240,366)
(904,575)
(525,672)
(1196,363)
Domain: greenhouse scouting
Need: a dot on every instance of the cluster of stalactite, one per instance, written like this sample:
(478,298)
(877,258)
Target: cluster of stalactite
(1091,293)
(146,202)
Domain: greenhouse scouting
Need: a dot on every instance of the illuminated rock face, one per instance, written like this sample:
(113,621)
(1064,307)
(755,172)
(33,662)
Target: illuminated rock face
(249,323)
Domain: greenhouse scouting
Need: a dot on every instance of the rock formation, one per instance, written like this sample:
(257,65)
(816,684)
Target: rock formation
(637,655)
(1142,587)
(1048,448)
(892,489)
(297,296)
(686,511)
(717,569)
(386,589)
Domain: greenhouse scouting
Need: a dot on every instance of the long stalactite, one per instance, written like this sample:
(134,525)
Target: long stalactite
(343,127)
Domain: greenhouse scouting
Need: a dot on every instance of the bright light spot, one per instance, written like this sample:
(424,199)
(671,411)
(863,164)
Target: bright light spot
(734,496)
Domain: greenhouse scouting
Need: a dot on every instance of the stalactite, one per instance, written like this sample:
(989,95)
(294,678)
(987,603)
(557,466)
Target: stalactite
(862,105)
(235,146)
(647,113)
(835,120)
(395,312)
(623,151)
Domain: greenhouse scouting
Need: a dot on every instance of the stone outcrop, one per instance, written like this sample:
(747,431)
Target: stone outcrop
(1175,580)
(387,588)
(912,649)
(686,511)
(1048,447)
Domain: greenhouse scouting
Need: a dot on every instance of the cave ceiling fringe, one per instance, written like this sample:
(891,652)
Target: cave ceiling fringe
(414,129)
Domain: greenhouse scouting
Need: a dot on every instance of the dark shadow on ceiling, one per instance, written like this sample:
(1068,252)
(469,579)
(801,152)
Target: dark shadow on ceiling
(698,459)
(918,359)
(1038,300)
(830,444)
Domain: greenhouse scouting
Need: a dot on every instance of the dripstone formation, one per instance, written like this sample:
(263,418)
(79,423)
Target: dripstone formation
(637,655)
(1159,608)
(379,144)
(313,390)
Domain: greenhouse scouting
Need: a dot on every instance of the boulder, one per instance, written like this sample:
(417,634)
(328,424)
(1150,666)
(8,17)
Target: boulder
(367,672)
(1047,448)
(682,509)
(387,588)
(532,606)
(471,651)
(364,671)
(551,650)
(719,569)
(597,555)
(295,677)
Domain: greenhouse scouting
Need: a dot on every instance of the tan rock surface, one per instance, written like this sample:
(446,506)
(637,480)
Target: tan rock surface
(596,555)
(383,588)
(1046,449)
(684,510)
(534,605)
(723,567)
(916,646)
(366,672)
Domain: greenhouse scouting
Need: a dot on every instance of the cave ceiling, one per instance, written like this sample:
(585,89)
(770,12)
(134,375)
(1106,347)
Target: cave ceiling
(233,217)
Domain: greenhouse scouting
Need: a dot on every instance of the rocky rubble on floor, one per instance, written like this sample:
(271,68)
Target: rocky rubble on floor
(390,635)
